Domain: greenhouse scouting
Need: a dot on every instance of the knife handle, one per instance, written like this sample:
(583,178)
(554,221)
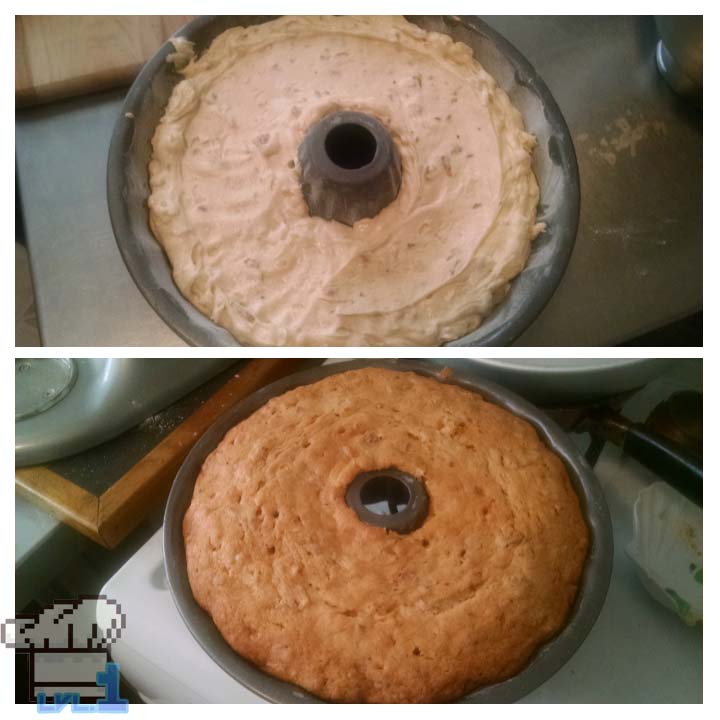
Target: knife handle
(677,467)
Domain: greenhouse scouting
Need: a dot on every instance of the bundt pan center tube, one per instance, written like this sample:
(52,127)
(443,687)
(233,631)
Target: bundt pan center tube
(553,164)
(390,499)
(350,168)
(380,487)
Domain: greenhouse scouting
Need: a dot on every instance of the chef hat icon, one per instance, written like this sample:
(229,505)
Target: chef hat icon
(92,622)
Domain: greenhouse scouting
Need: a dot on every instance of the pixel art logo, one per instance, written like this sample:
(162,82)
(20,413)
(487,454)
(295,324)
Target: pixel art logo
(70,654)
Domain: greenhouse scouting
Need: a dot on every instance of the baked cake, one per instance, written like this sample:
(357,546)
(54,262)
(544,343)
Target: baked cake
(300,586)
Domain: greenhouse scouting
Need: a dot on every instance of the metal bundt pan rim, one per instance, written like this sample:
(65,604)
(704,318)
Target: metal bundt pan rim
(127,189)
(547,660)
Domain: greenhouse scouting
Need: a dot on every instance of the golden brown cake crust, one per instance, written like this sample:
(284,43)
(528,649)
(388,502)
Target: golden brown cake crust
(297,584)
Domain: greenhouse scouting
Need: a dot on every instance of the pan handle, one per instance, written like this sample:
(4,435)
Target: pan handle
(678,467)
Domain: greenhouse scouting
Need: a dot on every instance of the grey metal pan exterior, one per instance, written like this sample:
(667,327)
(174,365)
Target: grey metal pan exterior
(549,658)
(554,382)
(110,396)
(554,164)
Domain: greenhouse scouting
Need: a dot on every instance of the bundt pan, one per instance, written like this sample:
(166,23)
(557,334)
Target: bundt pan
(554,164)
(546,661)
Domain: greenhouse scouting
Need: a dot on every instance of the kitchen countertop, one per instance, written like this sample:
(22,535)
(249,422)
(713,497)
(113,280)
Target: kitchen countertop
(637,263)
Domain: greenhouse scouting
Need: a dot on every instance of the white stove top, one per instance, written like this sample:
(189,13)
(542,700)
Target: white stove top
(637,651)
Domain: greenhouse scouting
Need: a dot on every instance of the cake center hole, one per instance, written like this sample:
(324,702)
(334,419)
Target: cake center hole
(350,146)
(384,495)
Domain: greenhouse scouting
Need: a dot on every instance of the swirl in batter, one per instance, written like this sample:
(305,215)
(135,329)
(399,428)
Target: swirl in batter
(227,206)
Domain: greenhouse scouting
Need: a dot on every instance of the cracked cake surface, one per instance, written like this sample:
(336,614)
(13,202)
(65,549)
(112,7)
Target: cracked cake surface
(302,588)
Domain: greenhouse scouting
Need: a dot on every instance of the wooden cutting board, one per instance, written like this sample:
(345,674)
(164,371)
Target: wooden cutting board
(58,56)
